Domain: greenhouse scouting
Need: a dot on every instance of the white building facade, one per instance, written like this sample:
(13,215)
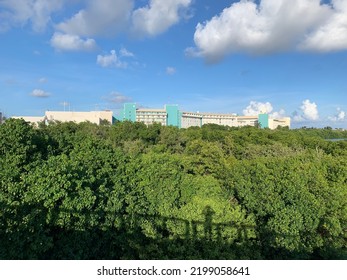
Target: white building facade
(171,115)
(96,117)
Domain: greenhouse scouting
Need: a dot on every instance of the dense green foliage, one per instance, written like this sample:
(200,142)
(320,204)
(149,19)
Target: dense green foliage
(127,191)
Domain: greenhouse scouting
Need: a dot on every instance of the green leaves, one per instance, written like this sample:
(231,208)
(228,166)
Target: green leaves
(82,191)
(292,199)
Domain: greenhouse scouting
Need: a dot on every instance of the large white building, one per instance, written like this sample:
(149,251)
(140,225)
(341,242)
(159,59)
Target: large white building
(189,119)
(96,117)
(149,116)
(282,122)
(171,115)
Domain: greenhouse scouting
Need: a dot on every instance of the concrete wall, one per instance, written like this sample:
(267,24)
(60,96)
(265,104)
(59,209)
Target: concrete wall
(78,117)
(34,120)
(283,122)
(94,117)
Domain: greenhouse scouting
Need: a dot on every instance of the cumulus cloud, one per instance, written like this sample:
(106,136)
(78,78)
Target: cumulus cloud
(331,35)
(170,70)
(158,16)
(272,26)
(308,112)
(34,12)
(93,19)
(255,108)
(67,42)
(340,116)
(40,93)
(106,17)
(278,115)
(98,18)
(110,60)
(109,17)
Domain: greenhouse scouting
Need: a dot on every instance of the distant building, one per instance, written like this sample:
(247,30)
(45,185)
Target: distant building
(282,122)
(96,117)
(189,119)
(33,120)
(149,116)
(171,115)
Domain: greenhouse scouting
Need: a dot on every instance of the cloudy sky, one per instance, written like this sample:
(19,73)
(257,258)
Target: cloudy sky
(285,57)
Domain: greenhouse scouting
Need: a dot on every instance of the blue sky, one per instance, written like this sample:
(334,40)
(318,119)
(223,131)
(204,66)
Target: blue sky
(286,57)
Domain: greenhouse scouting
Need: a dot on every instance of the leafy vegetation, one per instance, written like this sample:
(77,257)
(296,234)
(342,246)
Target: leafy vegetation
(127,191)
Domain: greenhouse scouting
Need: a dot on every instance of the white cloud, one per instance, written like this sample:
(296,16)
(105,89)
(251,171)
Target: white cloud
(93,19)
(255,108)
(170,70)
(21,12)
(340,116)
(158,16)
(67,42)
(117,98)
(106,17)
(309,112)
(42,80)
(193,52)
(110,60)
(125,53)
(40,93)
(278,115)
(332,35)
(273,26)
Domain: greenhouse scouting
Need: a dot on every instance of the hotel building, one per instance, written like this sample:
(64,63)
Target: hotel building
(171,115)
